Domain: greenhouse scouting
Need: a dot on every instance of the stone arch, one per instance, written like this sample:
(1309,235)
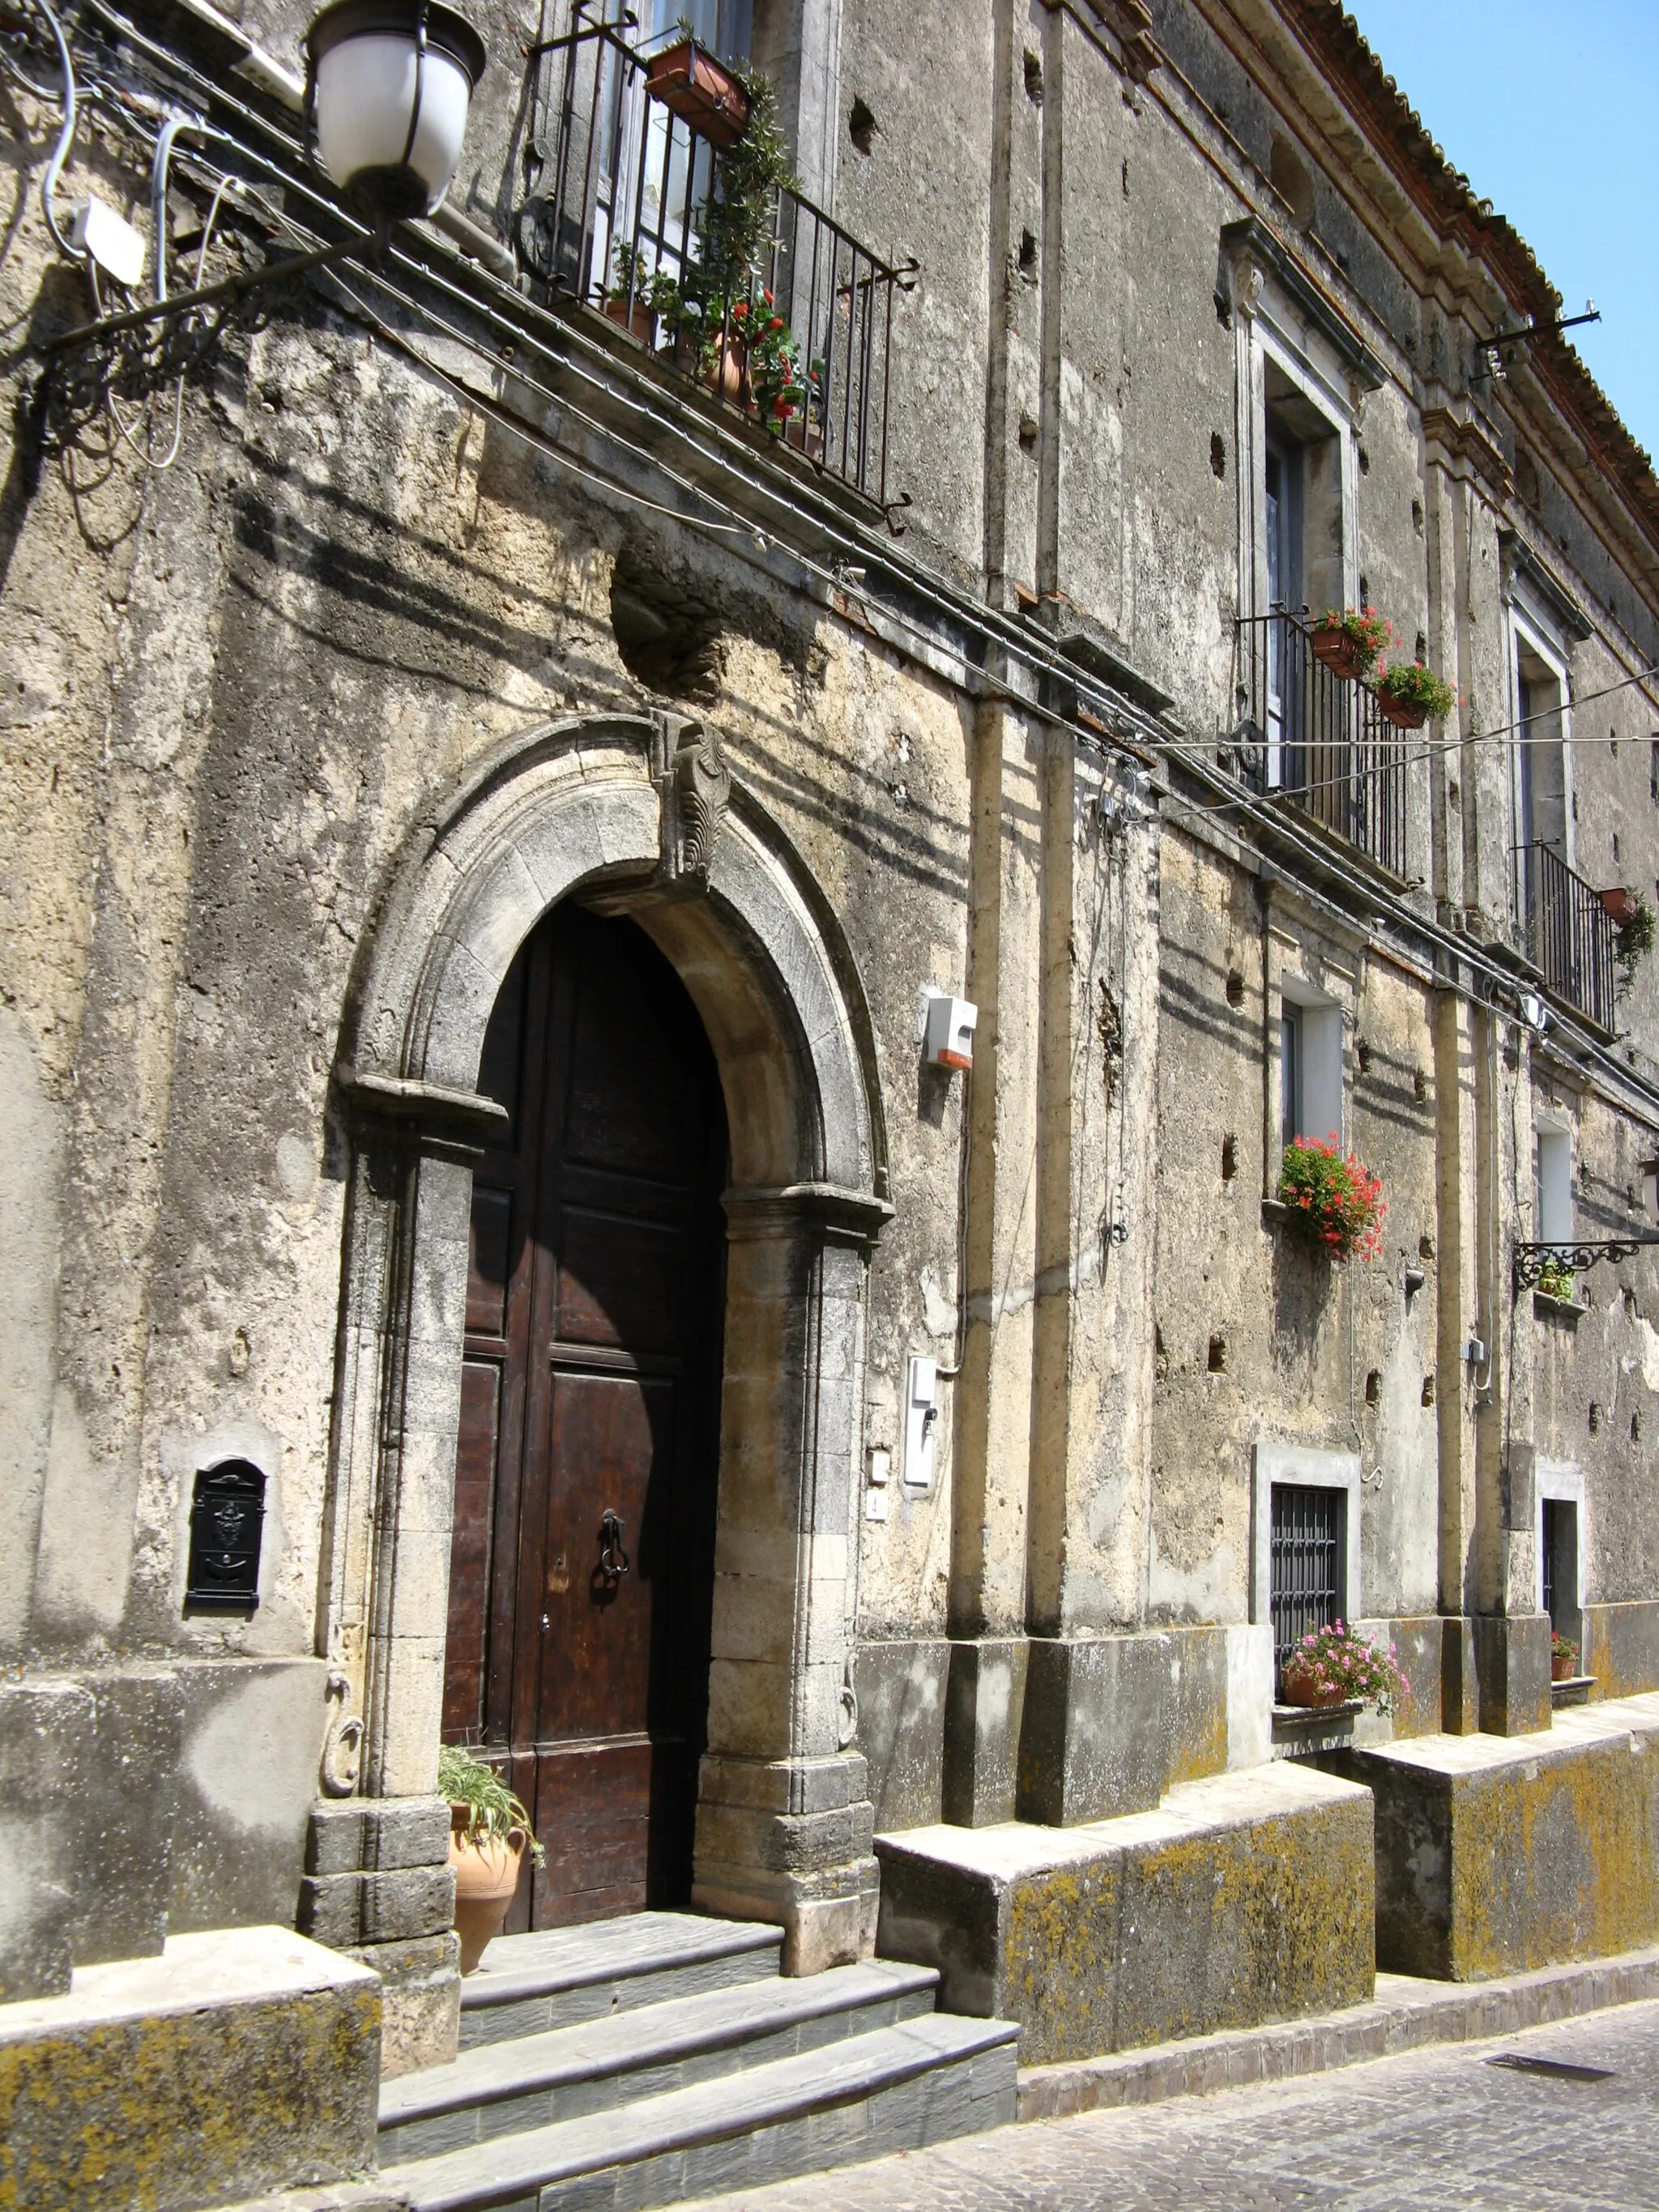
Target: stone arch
(592,807)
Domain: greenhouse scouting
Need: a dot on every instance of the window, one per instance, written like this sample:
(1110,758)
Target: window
(1310,1064)
(1561,1547)
(1307,1562)
(1541,757)
(1552,1185)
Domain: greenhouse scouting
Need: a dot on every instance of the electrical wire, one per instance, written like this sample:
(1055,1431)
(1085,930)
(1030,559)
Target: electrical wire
(66,98)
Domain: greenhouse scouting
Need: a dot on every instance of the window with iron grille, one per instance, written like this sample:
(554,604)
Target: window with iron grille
(1308,1556)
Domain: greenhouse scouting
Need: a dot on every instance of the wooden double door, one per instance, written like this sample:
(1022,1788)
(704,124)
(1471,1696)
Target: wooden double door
(582,1562)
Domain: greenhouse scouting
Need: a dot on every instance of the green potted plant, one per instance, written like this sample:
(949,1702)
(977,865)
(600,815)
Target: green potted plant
(1410,695)
(1564,1659)
(1335,1665)
(1556,1280)
(1632,940)
(490,1832)
(628,300)
(1336,1200)
(1350,643)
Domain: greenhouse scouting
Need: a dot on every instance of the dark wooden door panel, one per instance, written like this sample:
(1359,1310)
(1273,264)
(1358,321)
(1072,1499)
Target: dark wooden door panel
(592,1385)
(469,1571)
(620,1283)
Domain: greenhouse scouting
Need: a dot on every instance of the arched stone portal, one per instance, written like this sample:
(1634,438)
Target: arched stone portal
(639,817)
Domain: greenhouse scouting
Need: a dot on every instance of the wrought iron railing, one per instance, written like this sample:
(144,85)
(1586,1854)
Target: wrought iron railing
(619,220)
(1571,936)
(1319,740)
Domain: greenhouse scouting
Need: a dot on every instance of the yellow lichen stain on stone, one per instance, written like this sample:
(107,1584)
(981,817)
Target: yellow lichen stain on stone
(1554,1860)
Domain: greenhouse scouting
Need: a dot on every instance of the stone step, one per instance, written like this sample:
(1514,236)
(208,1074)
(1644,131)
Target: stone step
(920,2081)
(529,2081)
(525,1984)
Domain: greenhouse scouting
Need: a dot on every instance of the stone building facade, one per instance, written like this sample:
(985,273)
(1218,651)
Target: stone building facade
(463,604)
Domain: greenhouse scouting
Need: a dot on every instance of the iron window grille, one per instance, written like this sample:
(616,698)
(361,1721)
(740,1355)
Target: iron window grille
(1308,1553)
(1570,936)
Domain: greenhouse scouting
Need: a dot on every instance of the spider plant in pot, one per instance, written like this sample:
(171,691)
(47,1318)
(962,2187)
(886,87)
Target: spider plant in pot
(490,1832)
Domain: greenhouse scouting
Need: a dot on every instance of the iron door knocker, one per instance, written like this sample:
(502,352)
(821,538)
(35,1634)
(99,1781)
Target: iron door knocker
(613,1560)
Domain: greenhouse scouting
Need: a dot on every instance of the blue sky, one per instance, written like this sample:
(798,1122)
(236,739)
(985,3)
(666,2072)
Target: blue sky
(1549,108)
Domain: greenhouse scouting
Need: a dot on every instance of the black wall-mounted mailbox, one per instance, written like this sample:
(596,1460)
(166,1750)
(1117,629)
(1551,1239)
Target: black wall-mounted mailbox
(227,1518)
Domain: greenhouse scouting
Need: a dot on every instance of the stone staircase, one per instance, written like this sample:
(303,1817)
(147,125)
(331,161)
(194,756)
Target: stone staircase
(637,2062)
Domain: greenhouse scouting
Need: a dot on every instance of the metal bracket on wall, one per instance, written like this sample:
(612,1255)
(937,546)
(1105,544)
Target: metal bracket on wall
(1531,1259)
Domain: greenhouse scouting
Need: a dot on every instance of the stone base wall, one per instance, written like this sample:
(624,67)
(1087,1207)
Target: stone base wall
(142,1802)
(1622,1647)
(240,2061)
(1244,1898)
(1498,1855)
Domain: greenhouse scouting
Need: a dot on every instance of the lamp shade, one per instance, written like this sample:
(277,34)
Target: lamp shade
(389,83)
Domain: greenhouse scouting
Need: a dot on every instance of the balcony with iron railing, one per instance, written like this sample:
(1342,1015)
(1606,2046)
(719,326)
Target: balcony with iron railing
(785,320)
(1569,935)
(1318,740)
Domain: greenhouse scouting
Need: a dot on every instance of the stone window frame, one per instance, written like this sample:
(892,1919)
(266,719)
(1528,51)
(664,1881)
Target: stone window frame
(1307,960)
(1309,1468)
(1280,317)
(1531,627)
(1561,1482)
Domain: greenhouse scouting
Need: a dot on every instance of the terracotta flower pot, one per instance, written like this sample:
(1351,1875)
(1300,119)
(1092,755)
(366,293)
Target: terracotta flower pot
(1562,1670)
(636,321)
(727,374)
(1298,1689)
(1339,652)
(1619,905)
(486,1875)
(690,83)
(1401,712)
(806,437)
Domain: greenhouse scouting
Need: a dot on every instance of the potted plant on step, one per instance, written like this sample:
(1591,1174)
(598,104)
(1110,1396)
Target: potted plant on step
(489,1831)
(1350,643)
(1564,1659)
(1410,695)
(629,301)
(1333,1666)
(1337,1201)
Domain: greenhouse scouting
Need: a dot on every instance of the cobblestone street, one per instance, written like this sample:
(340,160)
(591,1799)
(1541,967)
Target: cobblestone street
(1442,2128)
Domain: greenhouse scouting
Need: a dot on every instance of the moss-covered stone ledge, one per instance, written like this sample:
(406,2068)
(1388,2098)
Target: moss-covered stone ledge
(1500,1854)
(240,2061)
(1242,1898)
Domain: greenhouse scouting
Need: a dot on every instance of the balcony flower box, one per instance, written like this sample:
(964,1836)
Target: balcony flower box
(1348,643)
(1410,695)
(691,84)
(1619,904)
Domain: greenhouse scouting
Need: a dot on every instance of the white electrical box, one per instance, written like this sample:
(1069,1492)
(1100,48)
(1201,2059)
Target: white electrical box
(110,240)
(921,1420)
(947,1029)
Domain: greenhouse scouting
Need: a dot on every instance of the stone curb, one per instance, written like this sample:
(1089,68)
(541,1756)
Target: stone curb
(1406,2014)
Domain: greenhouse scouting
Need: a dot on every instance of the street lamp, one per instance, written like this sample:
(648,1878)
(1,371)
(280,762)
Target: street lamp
(388,83)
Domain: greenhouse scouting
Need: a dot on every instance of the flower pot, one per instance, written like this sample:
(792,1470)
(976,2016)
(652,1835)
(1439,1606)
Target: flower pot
(1619,905)
(1401,712)
(1298,1689)
(486,1875)
(806,437)
(1562,1670)
(636,321)
(689,83)
(1339,652)
(727,374)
